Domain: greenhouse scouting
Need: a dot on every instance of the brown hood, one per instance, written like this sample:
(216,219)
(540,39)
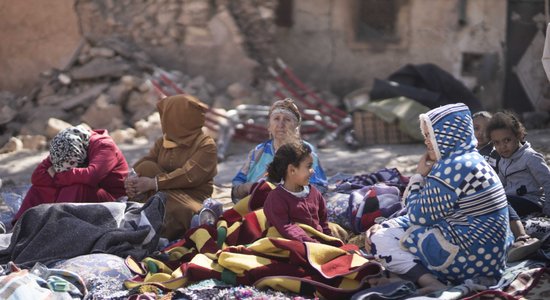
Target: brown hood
(182,118)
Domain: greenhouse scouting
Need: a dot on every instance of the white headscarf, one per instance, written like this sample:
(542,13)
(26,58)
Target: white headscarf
(68,149)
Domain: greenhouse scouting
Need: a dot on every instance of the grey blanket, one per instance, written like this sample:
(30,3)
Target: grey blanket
(50,232)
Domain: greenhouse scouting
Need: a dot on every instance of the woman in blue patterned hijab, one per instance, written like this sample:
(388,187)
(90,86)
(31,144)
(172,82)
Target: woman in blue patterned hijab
(456,225)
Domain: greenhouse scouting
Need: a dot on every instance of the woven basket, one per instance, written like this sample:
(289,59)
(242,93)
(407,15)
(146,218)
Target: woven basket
(371,130)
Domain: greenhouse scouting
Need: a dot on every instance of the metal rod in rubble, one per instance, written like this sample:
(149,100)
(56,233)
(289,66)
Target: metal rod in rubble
(162,93)
(307,116)
(299,97)
(287,86)
(172,84)
(250,128)
(306,89)
(158,89)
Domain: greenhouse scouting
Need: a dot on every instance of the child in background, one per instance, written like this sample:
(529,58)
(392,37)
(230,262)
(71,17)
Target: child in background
(484,145)
(524,244)
(523,171)
(524,175)
(456,223)
(295,200)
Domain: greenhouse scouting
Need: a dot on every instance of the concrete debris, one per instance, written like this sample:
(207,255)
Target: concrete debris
(8,111)
(70,102)
(102,52)
(54,126)
(102,114)
(14,144)
(121,136)
(100,67)
(108,83)
(33,142)
(64,79)
(150,127)
(6,114)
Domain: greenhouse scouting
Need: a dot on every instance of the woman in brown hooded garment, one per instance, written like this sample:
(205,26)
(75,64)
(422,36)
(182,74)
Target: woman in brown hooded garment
(182,163)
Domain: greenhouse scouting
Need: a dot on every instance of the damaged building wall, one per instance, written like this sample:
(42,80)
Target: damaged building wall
(229,41)
(128,47)
(465,38)
(197,36)
(36,36)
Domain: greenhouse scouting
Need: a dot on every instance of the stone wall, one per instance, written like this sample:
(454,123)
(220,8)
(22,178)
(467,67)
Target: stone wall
(200,37)
(321,48)
(233,41)
(35,36)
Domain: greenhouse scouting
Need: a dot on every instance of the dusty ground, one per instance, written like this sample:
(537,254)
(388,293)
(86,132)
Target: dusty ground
(16,168)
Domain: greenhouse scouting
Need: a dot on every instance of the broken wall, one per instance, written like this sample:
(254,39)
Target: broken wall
(224,42)
(467,41)
(35,36)
(197,36)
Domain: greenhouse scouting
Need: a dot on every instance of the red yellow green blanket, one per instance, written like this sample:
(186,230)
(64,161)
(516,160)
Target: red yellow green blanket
(243,250)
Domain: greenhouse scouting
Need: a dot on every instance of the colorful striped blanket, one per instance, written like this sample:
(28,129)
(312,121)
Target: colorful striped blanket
(242,250)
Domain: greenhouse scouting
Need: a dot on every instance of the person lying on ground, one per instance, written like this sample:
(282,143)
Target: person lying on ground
(283,127)
(82,166)
(182,164)
(456,223)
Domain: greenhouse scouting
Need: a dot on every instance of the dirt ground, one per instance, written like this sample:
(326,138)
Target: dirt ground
(16,168)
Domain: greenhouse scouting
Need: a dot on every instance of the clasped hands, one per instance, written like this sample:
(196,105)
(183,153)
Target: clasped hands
(138,185)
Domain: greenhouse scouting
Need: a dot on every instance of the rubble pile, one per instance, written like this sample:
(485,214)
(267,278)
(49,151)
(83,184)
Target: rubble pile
(113,79)
(107,86)
(258,27)
(203,37)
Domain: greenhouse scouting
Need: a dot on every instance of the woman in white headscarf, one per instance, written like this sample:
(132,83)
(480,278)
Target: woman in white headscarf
(283,127)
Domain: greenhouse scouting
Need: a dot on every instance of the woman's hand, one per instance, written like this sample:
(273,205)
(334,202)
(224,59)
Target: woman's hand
(424,165)
(51,171)
(368,234)
(139,185)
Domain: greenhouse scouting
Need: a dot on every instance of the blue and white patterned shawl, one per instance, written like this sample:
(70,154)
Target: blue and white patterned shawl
(457,220)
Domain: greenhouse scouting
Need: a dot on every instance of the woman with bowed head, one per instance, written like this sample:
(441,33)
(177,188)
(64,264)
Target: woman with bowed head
(283,127)
(83,166)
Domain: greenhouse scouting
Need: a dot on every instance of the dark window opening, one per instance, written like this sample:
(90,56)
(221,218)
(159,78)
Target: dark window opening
(471,63)
(283,13)
(377,20)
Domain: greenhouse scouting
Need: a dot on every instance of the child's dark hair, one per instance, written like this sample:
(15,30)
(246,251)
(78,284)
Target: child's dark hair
(287,154)
(483,113)
(507,120)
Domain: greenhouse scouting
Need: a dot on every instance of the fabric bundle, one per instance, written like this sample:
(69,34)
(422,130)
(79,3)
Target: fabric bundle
(51,232)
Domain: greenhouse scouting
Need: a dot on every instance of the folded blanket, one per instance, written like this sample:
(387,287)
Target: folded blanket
(49,232)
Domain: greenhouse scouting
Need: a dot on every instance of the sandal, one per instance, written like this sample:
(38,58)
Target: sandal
(523,247)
